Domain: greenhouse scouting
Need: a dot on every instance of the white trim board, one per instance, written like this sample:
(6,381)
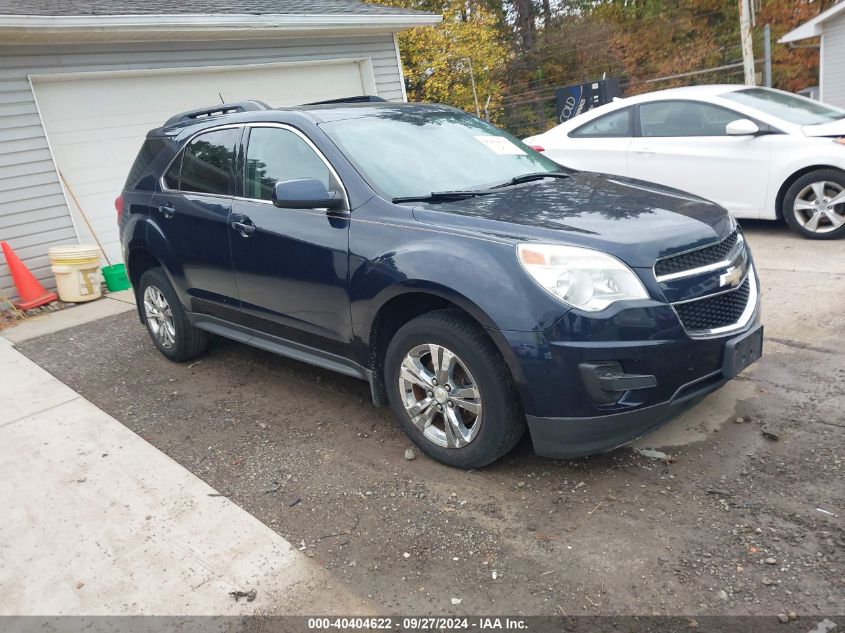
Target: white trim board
(112,28)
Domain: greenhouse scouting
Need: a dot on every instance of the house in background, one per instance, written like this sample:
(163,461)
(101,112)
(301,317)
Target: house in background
(830,27)
(82,81)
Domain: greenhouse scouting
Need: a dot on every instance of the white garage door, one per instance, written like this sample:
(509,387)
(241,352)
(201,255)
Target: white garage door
(95,122)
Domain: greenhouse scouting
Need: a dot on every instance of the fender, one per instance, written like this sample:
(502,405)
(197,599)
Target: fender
(159,247)
(498,293)
(815,153)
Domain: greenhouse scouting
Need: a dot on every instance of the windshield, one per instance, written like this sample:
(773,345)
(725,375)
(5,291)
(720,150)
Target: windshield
(407,152)
(791,108)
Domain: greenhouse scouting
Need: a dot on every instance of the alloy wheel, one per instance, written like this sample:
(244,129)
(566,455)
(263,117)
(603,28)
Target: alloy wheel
(159,317)
(820,207)
(440,395)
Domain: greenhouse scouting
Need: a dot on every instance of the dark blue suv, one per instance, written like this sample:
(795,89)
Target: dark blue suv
(474,283)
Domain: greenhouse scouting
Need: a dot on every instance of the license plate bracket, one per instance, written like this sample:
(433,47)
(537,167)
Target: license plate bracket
(742,351)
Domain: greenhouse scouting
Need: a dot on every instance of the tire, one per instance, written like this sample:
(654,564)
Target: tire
(816,221)
(477,375)
(177,339)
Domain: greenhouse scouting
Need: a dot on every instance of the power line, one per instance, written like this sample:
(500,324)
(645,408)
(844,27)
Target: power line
(734,66)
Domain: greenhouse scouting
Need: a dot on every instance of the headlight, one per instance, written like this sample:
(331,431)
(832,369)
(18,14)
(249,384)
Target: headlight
(581,277)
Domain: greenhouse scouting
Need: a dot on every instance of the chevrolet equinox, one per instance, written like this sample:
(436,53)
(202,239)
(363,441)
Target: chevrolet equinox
(478,287)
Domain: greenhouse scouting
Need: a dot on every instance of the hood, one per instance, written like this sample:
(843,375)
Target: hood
(633,220)
(833,128)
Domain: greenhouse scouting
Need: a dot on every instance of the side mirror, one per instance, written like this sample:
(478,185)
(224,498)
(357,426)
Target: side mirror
(305,193)
(742,127)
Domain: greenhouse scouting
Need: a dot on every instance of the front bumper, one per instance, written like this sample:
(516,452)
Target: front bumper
(564,415)
(576,437)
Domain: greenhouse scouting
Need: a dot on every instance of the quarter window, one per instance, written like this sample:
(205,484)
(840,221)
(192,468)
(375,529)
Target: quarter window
(274,154)
(615,124)
(684,118)
(207,163)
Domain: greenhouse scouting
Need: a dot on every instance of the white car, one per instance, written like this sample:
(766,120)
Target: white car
(760,153)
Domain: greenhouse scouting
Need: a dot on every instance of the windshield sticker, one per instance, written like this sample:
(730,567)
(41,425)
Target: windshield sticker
(500,145)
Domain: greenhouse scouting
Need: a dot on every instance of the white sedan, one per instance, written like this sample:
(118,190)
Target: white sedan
(760,153)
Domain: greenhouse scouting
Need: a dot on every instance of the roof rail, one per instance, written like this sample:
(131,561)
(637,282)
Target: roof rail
(218,110)
(356,99)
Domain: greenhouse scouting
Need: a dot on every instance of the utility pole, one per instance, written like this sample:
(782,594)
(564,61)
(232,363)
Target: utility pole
(767,56)
(747,45)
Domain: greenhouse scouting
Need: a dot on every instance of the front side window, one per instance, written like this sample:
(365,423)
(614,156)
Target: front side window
(274,154)
(791,108)
(684,118)
(405,151)
(207,163)
(613,125)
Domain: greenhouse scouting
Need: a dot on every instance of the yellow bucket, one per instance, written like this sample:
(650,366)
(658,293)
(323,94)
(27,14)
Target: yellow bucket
(77,271)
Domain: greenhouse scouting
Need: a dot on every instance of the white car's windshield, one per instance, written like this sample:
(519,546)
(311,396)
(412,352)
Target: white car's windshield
(405,152)
(791,108)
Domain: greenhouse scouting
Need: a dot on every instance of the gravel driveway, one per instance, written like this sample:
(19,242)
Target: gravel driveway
(746,518)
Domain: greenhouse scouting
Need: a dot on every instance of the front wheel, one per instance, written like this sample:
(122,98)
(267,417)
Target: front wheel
(814,206)
(451,391)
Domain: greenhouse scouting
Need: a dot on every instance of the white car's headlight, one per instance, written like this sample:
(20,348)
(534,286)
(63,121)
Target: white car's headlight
(581,277)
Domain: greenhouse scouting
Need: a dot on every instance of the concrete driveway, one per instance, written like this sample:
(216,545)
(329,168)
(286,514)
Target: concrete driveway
(746,519)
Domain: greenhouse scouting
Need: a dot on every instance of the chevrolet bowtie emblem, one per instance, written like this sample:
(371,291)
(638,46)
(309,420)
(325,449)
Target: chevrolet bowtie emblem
(731,277)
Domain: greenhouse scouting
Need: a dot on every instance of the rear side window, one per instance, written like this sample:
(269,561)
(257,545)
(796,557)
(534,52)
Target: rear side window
(143,173)
(613,125)
(275,154)
(207,163)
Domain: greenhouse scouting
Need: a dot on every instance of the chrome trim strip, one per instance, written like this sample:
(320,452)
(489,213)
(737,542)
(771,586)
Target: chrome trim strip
(718,292)
(744,319)
(270,124)
(314,148)
(730,259)
(181,152)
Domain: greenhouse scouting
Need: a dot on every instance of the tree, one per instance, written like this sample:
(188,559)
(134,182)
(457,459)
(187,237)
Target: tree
(436,60)
(793,67)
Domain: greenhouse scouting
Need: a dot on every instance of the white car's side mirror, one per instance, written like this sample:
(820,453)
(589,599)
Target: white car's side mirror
(742,127)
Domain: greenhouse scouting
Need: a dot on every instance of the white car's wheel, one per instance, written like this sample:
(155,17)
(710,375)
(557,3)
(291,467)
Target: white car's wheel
(814,206)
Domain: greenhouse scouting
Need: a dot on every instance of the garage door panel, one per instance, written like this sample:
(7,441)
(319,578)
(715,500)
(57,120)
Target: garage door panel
(96,122)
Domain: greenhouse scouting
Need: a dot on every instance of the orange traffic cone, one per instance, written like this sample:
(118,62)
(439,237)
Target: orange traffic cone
(31,292)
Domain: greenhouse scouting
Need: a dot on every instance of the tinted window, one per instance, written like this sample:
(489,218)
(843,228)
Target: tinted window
(274,154)
(615,124)
(142,175)
(207,163)
(171,178)
(684,118)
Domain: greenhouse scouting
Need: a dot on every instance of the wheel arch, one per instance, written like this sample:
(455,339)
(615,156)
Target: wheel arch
(139,260)
(406,303)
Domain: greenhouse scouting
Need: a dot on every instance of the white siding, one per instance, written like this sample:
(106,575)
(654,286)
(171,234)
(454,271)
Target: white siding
(832,71)
(33,212)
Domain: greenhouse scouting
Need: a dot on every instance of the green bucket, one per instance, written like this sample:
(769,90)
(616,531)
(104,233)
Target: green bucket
(115,277)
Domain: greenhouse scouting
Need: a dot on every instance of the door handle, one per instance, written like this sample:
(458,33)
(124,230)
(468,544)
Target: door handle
(167,210)
(645,150)
(243,228)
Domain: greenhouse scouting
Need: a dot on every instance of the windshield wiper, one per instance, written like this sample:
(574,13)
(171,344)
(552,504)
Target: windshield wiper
(435,196)
(537,175)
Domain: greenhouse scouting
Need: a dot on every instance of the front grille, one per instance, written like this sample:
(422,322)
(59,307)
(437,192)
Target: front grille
(696,259)
(717,311)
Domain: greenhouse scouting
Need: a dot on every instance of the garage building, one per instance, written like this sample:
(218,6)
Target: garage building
(82,81)
(829,27)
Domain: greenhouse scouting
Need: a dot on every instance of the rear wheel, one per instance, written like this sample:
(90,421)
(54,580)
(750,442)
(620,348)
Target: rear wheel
(451,391)
(814,206)
(166,320)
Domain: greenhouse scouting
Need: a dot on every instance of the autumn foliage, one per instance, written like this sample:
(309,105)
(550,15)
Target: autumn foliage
(520,51)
